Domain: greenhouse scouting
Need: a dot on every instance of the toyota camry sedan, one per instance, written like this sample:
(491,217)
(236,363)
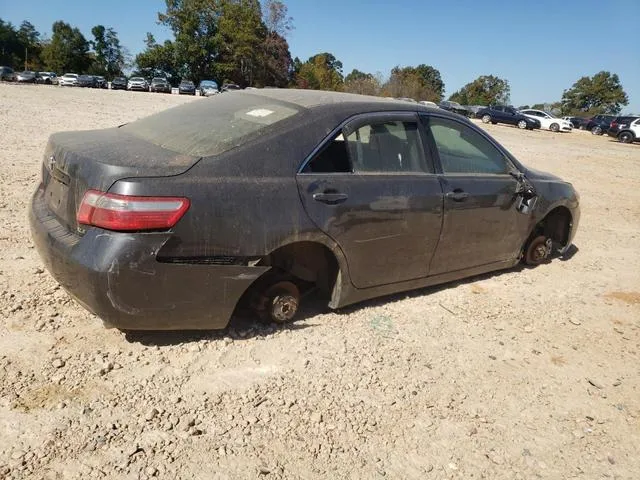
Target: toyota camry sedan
(255,199)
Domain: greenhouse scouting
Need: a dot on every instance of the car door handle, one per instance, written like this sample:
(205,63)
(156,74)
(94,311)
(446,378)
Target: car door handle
(457,195)
(330,198)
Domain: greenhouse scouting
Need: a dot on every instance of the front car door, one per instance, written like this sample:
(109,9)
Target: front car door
(373,190)
(481,224)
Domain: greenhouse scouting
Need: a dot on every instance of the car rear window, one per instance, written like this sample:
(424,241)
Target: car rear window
(212,126)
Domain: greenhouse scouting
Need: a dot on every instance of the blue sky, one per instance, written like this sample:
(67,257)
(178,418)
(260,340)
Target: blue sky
(541,46)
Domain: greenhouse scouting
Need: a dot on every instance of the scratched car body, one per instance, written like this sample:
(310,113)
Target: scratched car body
(172,221)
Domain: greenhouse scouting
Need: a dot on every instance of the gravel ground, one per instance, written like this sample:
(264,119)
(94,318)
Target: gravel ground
(529,373)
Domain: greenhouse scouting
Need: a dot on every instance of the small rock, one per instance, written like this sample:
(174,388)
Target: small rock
(38,271)
(264,471)
(186,423)
(151,414)
(151,471)
(222,451)
(611,460)
(575,322)
(528,329)
(316,417)
(57,363)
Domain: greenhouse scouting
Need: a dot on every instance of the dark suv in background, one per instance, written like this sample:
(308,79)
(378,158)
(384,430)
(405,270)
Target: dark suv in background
(454,107)
(625,128)
(119,83)
(160,84)
(599,124)
(509,115)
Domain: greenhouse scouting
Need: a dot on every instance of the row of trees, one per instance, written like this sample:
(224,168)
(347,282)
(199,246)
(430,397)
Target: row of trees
(244,42)
(66,51)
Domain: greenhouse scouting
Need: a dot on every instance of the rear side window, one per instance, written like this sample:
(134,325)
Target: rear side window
(463,150)
(212,126)
(386,147)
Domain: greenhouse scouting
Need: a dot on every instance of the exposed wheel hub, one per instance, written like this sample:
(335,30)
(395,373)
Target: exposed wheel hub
(284,308)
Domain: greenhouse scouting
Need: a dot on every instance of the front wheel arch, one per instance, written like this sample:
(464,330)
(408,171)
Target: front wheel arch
(555,225)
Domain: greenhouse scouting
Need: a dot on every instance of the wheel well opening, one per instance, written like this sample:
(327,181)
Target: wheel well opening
(556,225)
(311,262)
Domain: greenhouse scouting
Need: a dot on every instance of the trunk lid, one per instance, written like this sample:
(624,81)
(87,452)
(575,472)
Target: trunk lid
(78,161)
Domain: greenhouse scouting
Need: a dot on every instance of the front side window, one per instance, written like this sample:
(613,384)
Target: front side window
(393,146)
(462,150)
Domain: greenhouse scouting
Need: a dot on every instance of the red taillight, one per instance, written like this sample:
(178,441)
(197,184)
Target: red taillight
(128,213)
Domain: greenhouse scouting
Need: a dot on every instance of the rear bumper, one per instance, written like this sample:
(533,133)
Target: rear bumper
(117,277)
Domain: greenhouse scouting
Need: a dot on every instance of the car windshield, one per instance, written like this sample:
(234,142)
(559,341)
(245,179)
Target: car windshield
(209,128)
(187,83)
(137,79)
(158,80)
(208,84)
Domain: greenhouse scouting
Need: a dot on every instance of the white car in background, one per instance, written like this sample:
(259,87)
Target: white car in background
(138,83)
(548,121)
(68,80)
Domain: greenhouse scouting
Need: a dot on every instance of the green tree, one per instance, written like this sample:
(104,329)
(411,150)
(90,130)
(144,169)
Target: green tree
(432,80)
(68,50)
(484,90)
(109,55)
(362,83)
(602,93)
(158,60)
(20,47)
(240,40)
(194,24)
(420,83)
(321,72)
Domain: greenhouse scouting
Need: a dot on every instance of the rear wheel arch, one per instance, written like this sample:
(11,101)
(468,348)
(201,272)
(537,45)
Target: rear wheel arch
(311,262)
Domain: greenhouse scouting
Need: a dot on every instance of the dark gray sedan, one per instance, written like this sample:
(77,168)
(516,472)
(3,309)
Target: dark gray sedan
(172,221)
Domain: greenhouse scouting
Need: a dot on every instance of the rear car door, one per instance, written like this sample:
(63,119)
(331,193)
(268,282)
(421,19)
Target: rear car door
(481,224)
(372,189)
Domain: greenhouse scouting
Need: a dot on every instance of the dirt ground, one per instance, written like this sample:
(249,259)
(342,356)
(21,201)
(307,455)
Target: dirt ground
(528,373)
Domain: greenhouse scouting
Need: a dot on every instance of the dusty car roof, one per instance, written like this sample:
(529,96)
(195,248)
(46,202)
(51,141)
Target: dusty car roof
(316,98)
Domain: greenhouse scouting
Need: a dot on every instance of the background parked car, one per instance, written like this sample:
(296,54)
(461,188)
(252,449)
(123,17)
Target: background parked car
(100,81)
(228,87)
(7,74)
(68,80)
(576,122)
(119,83)
(454,107)
(625,129)
(208,88)
(474,109)
(509,115)
(548,121)
(28,76)
(599,123)
(48,78)
(138,83)
(86,81)
(186,87)
(160,84)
